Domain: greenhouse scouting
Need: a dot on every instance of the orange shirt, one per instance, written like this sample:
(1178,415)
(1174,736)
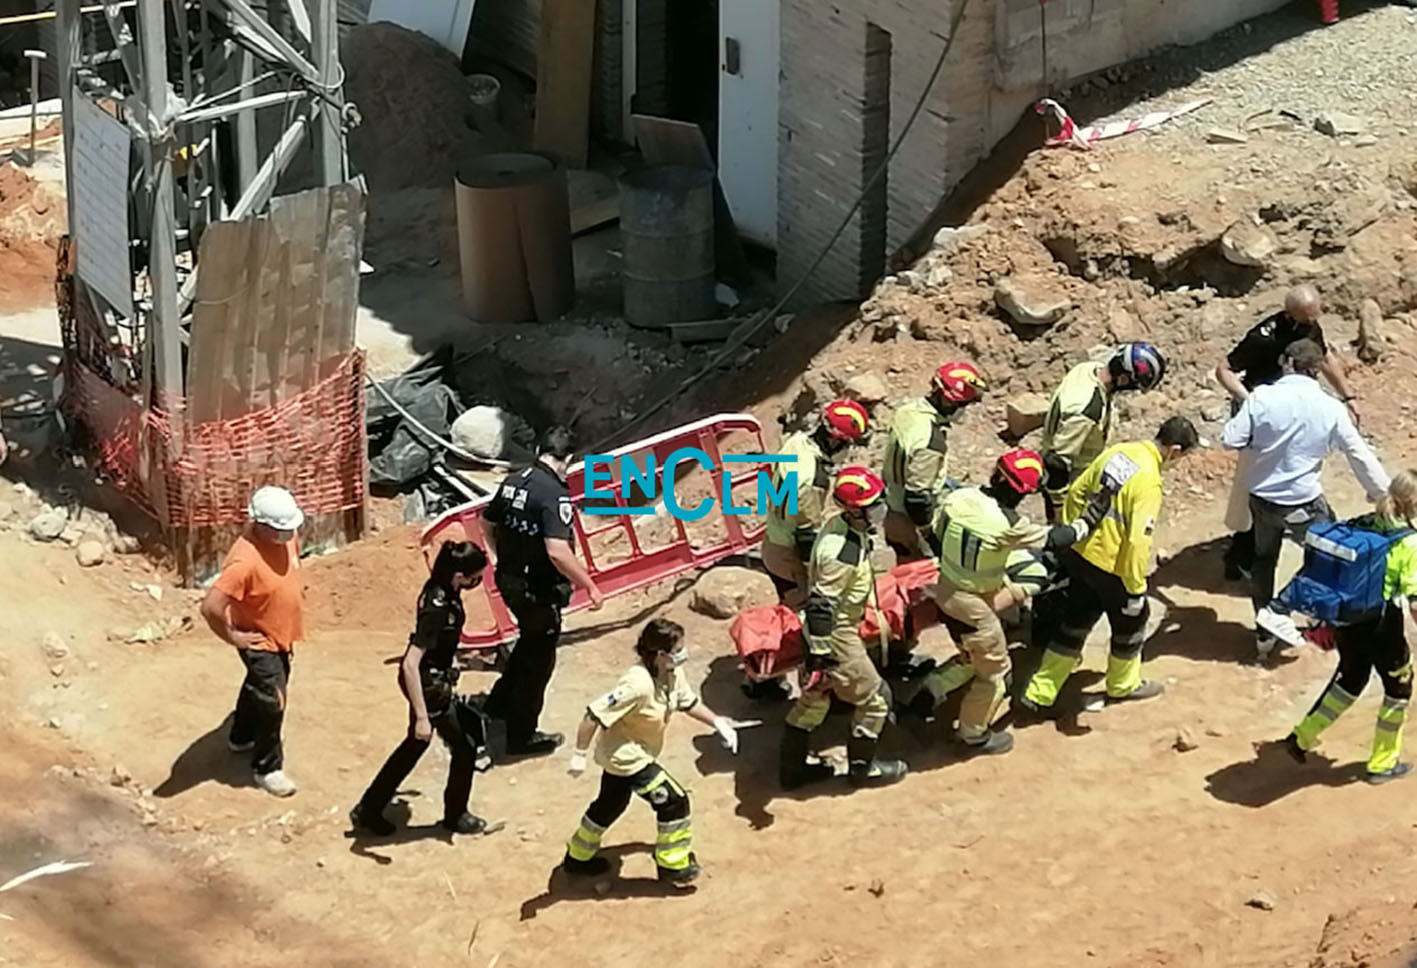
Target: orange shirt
(263,583)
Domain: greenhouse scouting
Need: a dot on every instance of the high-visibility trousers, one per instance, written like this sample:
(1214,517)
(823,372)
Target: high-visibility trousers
(982,664)
(674,843)
(1379,646)
(853,679)
(1091,593)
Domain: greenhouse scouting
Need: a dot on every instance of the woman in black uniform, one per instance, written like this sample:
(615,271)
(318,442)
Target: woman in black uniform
(427,676)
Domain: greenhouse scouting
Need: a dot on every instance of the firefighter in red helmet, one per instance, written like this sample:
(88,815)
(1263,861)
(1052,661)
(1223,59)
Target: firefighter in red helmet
(915,469)
(841,583)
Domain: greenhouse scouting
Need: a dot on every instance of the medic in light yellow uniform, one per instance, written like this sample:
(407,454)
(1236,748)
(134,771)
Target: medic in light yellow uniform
(915,470)
(1078,426)
(842,582)
(1376,644)
(787,543)
(631,720)
(1107,571)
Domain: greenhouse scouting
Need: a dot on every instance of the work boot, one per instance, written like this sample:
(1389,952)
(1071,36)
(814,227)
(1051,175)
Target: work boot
(370,821)
(537,744)
(1396,773)
(1292,747)
(594,867)
(1265,644)
(794,771)
(683,877)
(767,690)
(465,823)
(993,743)
(1028,709)
(240,746)
(1149,689)
(868,771)
(276,783)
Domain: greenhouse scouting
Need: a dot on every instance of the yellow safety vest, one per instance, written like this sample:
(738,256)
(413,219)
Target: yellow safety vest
(976,537)
(915,452)
(1079,421)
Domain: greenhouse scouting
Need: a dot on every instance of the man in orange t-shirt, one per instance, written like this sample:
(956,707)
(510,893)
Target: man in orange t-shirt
(255,605)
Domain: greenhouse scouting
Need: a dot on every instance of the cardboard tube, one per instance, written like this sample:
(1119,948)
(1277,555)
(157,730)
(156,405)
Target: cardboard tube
(514,238)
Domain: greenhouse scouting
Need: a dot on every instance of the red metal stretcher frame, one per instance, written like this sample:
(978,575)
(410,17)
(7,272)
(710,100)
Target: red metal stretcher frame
(642,567)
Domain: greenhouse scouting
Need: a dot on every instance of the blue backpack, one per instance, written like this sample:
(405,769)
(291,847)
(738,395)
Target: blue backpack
(1345,564)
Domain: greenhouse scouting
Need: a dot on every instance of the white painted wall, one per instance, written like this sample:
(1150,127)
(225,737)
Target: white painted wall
(747,116)
(446,21)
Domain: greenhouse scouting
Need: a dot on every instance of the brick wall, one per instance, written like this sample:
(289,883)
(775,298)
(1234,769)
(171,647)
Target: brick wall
(829,140)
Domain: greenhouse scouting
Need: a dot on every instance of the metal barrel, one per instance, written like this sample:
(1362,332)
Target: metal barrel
(666,222)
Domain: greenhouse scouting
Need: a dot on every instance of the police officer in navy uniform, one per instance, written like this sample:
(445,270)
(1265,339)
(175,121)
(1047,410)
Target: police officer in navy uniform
(531,515)
(428,675)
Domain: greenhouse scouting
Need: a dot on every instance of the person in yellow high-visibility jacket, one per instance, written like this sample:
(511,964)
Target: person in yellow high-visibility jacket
(915,468)
(1107,571)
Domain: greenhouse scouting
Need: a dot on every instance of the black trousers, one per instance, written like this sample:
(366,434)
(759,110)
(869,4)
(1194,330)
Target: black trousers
(668,798)
(1379,646)
(458,791)
(1272,523)
(260,708)
(519,693)
(1092,593)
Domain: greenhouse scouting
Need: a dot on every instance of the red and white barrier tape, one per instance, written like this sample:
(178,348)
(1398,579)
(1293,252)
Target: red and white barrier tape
(1071,135)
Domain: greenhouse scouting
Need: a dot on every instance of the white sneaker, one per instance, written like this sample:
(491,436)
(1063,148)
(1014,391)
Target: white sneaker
(276,783)
(1282,627)
(1265,645)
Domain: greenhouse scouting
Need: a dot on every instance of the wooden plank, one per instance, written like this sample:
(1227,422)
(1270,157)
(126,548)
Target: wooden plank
(593,215)
(563,79)
(664,141)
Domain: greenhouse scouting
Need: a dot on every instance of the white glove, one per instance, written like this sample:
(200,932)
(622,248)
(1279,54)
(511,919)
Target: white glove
(1134,605)
(727,733)
(577,765)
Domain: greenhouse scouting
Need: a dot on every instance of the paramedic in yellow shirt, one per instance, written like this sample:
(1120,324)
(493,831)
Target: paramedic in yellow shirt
(1107,571)
(631,721)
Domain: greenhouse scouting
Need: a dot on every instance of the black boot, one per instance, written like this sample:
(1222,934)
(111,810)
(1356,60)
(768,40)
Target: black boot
(372,821)
(793,770)
(594,867)
(866,770)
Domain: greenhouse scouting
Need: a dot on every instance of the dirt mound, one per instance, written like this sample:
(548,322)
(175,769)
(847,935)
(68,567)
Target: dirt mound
(413,102)
(31,222)
(1383,936)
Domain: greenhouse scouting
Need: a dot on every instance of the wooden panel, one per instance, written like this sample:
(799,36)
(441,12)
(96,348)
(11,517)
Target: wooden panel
(563,79)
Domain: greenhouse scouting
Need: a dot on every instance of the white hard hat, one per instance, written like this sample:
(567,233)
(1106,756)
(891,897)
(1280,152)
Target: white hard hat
(275,507)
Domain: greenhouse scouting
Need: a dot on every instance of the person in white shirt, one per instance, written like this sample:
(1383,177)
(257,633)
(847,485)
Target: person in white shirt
(1289,427)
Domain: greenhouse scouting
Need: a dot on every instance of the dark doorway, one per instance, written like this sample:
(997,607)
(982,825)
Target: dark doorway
(691,64)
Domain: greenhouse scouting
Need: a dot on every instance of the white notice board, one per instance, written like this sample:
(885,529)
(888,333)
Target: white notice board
(100,217)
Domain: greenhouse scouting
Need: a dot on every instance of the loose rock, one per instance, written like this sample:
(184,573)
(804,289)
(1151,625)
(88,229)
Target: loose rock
(951,237)
(724,592)
(1030,301)
(869,388)
(1336,124)
(1263,900)
(54,647)
(120,777)
(126,544)
(1225,136)
(1370,332)
(1025,413)
(49,525)
(7,510)
(1247,244)
(90,554)
(1185,741)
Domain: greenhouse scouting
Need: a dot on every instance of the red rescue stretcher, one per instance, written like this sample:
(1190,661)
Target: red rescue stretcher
(768,638)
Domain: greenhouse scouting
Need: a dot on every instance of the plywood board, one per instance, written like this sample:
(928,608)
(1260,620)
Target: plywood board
(100,178)
(563,79)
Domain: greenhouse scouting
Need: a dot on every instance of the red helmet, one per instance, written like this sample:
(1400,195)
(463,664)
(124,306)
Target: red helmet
(959,382)
(845,420)
(857,487)
(1023,469)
